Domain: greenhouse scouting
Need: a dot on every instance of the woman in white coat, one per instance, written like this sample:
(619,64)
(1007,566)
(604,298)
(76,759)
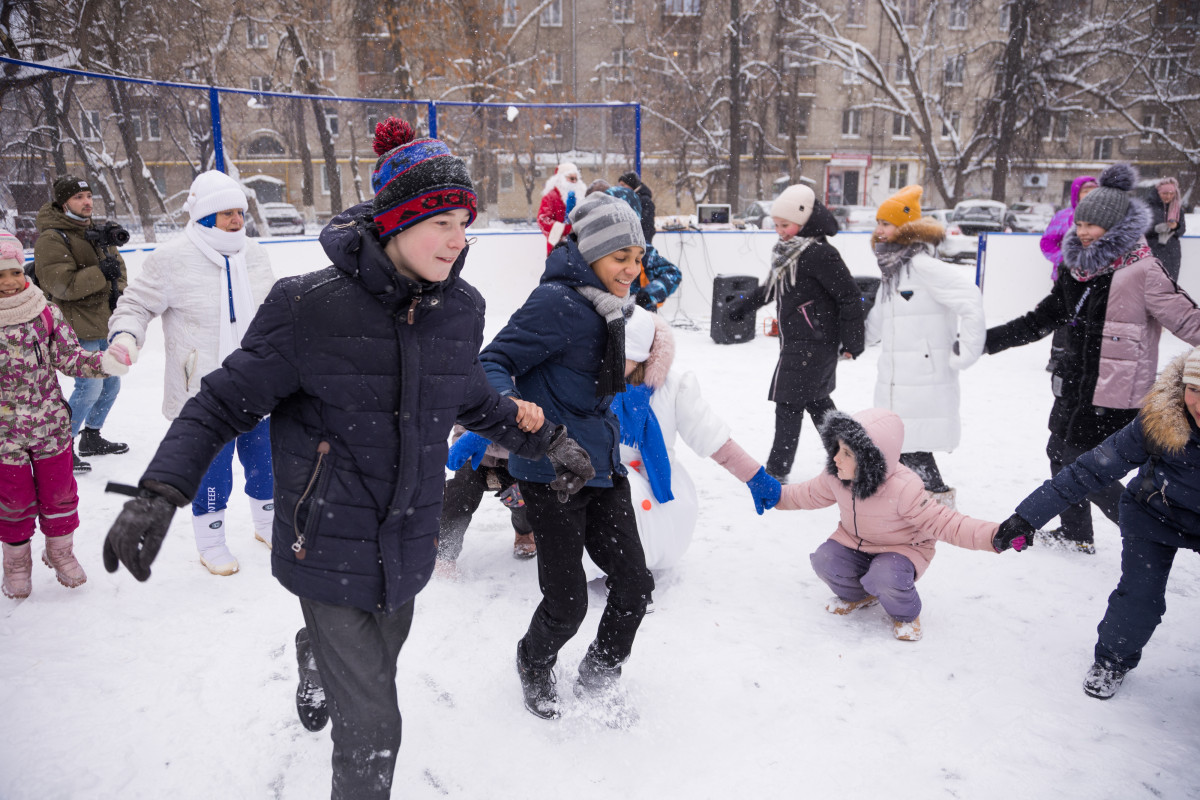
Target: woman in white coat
(659,406)
(928,314)
(206,285)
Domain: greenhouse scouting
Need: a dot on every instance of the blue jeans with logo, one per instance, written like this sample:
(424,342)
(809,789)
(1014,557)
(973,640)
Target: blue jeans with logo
(254,451)
(92,397)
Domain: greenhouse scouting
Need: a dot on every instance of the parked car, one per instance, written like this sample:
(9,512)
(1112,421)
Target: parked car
(282,219)
(957,246)
(757,214)
(1030,217)
(854,218)
(974,217)
(26,230)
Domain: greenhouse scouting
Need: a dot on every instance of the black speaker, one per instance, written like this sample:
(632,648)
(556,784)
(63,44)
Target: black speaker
(726,290)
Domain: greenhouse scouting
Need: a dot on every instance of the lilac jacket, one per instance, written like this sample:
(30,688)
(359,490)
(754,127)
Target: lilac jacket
(1062,223)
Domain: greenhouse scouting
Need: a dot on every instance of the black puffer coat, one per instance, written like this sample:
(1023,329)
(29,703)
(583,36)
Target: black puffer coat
(819,315)
(364,373)
(1169,253)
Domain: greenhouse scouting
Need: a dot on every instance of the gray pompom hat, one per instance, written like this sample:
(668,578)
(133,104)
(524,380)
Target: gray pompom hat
(1108,204)
(604,224)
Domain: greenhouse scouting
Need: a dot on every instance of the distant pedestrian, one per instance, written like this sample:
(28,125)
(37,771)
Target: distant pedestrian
(631,180)
(562,191)
(1167,225)
(659,277)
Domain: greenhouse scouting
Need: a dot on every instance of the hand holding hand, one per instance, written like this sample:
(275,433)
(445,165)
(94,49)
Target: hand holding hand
(530,417)
(765,490)
(469,447)
(115,360)
(129,343)
(572,467)
(136,536)
(1014,532)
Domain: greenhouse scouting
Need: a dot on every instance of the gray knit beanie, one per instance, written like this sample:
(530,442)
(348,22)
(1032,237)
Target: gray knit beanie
(604,224)
(1108,204)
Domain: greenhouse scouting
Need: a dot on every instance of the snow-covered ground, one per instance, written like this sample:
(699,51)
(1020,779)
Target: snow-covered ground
(182,687)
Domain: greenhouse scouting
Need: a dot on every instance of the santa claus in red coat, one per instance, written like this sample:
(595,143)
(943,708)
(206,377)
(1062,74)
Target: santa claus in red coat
(562,190)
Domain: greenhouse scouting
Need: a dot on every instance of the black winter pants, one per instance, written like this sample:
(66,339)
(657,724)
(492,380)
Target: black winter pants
(356,654)
(461,499)
(1077,520)
(788,420)
(923,463)
(1136,606)
(601,521)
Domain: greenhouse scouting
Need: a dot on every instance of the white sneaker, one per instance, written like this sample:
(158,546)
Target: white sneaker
(210,541)
(262,515)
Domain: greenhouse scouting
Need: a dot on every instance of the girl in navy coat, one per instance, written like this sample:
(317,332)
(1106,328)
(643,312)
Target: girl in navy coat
(1159,511)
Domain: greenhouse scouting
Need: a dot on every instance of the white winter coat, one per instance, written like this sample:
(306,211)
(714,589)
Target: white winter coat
(189,291)
(933,305)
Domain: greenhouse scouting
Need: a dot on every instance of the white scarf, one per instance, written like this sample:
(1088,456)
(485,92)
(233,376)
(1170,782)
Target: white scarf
(228,251)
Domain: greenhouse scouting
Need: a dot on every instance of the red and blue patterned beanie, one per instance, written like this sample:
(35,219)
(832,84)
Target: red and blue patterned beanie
(415,179)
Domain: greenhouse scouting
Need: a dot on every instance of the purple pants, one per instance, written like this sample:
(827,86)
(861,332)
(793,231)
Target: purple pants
(853,574)
(43,489)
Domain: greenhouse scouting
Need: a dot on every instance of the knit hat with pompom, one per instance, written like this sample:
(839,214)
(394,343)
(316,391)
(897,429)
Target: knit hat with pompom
(1107,205)
(415,179)
(12,254)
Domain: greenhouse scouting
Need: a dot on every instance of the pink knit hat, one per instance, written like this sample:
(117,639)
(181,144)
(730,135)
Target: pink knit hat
(12,254)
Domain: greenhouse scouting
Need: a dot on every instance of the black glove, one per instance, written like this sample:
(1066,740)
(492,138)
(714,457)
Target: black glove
(111,268)
(135,538)
(1014,532)
(646,300)
(572,467)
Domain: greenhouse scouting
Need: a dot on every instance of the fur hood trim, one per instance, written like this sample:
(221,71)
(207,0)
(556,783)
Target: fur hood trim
(1118,240)
(662,353)
(1164,415)
(926,229)
(875,436)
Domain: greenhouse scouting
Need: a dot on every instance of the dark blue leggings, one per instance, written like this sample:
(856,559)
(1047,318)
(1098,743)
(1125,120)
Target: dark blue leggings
(254,451)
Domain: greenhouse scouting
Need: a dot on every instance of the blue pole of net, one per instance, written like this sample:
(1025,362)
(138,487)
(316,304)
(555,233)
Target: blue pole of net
(214,108)
(637,138)
(433,120)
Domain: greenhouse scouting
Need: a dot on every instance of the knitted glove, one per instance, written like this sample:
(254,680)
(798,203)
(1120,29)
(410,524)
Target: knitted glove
(135,538)
(115,360)
(765,490)
(470,446)
(646,300)
(129,343)
(572,467)
(1014,532)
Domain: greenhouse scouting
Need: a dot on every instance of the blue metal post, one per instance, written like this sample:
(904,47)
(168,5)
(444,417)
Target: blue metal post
(637,138)
(432,119)
(214,108)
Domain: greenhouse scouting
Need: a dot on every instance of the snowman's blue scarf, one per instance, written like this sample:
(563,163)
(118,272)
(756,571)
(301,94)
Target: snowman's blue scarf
(639,428)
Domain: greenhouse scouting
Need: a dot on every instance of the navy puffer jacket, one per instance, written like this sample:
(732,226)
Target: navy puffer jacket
(553,347)
(364,373)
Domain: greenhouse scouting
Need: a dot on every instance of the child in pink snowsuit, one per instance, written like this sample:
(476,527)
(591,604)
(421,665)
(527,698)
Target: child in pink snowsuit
(888,528)
(36,479)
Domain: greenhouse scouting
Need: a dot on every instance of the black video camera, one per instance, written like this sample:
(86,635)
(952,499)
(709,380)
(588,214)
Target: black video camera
(110,234)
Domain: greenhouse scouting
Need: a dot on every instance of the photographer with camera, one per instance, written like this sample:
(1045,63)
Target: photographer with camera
(77,265)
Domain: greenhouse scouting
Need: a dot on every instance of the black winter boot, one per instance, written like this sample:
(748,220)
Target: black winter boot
(537,683)
(310,694)
(600,686)
(1103,680)
(91,443)
(78,465)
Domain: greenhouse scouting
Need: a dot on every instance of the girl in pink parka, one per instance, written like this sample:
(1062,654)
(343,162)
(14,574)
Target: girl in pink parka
(36,479)
(888,528)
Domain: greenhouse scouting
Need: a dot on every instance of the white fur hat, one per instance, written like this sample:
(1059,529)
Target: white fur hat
(211,192)
(639,334)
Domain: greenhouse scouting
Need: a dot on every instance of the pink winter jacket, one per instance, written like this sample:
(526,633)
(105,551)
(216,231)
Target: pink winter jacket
(885,509)
(34,418)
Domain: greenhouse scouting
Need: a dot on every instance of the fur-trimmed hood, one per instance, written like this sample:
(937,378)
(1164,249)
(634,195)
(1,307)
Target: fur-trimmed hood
(926,229)
(1165,419)
(662,353)
(1124,237)
(875,436)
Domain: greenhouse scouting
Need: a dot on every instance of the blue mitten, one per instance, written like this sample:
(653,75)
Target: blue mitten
(470,446)
(765,490)
(570,203)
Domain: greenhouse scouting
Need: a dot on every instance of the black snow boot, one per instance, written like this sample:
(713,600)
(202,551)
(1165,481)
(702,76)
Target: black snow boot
(310,694)
(1103,680)
(78,465)
(599,685)
(91,443)
(537,683)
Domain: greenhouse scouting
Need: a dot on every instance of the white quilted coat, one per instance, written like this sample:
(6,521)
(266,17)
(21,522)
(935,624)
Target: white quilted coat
(189,291)
(933,304)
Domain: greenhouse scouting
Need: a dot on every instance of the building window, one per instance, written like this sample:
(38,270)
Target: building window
(1053,126)
(554,68)
(1102,148)
(951,123)
(508,15)
(158,174)
(901,73)
(328,65)
(955,67)
(856,13)
(135,122)
(552,15)
(907,10)
(331,123)
(957,17)
(506,180)
(89,125)
(1164,68)
(1153,119)
(1005,17)
(261,83)
(901,126)
(622,59)
(792,115)
(850,73)
(256,39)
(851,122)
(325,177)
(153,131)
(897,176)
(622,11)
(681,8)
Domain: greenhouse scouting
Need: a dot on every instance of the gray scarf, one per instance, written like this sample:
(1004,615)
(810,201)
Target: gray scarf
(614,310)
(892,259)
(784,258)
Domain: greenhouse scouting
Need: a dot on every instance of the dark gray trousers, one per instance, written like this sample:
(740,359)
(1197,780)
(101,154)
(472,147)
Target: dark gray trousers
(356,653)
